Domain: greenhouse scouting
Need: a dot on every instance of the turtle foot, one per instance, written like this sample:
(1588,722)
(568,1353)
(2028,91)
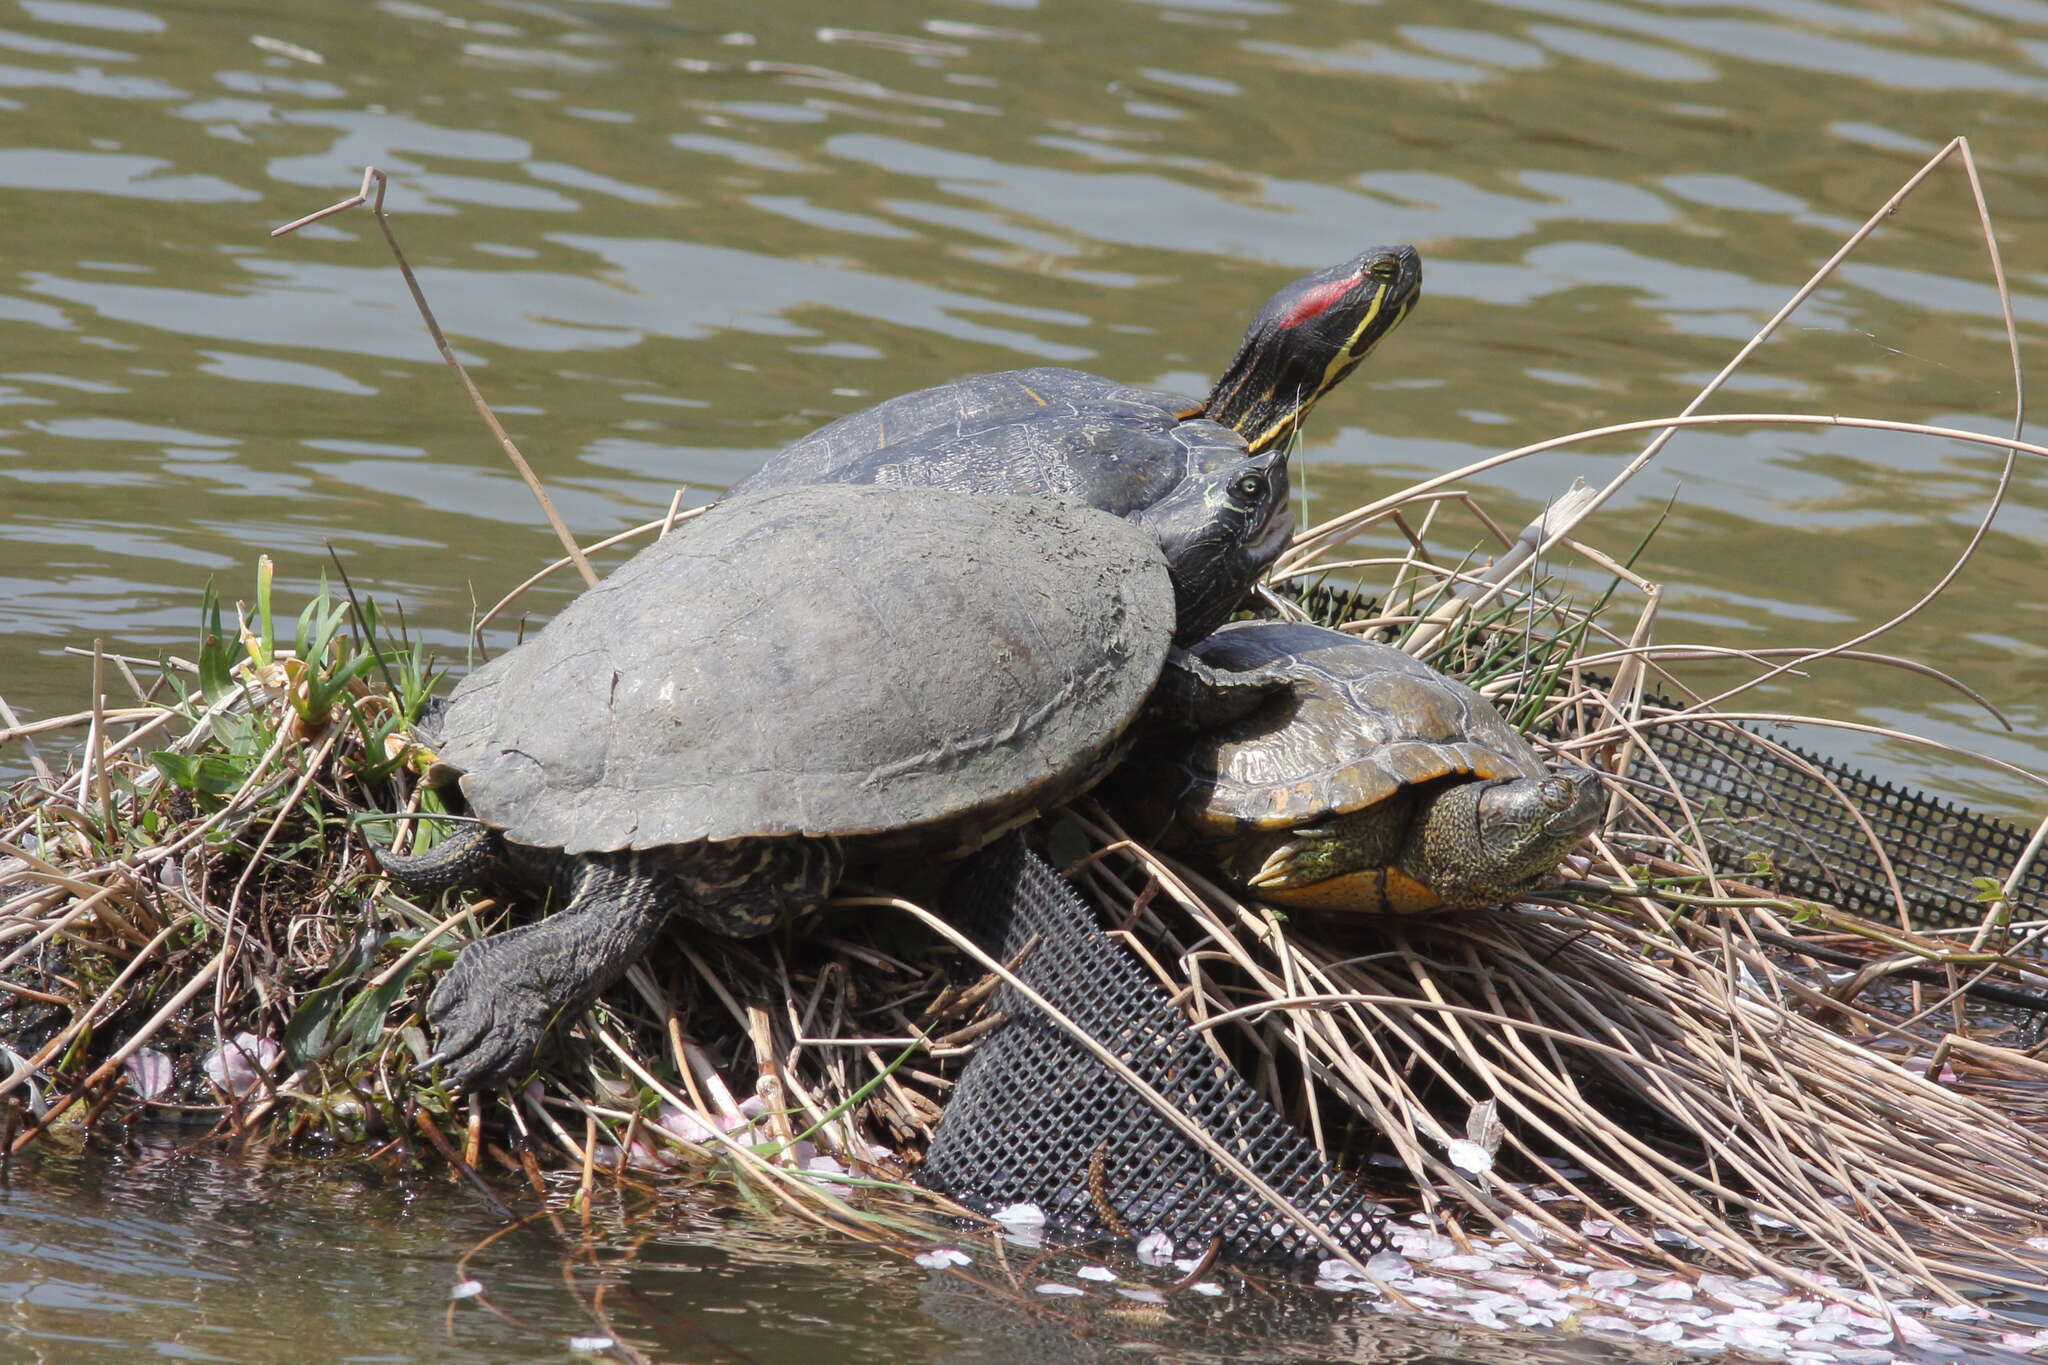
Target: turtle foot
(497,1003)
(1297,862)
(490,1013)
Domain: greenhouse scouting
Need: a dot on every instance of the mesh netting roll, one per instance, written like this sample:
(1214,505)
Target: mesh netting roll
(1758,798)
(1037,1119)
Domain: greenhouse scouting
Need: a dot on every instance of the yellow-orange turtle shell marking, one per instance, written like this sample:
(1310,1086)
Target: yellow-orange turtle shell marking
(1382,890)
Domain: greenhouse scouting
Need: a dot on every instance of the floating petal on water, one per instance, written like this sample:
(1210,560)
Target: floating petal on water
(149,1071)
(238,1066)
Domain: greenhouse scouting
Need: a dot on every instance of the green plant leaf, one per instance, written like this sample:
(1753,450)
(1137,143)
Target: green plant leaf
(306,1037)
(310,1033)
(361,1025)
(302,637)
(1987,890)
(210,774)
(266,572)
(216,657)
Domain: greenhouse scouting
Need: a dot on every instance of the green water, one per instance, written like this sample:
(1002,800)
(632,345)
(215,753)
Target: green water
(670,238)
(157,1251)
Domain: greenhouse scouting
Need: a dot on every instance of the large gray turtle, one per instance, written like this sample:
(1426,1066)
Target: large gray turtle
(792,679)
(1079,435)
(1373,784)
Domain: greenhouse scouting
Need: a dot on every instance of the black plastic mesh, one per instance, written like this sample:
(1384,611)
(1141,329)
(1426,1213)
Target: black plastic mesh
(1752,800)
(1035,1116)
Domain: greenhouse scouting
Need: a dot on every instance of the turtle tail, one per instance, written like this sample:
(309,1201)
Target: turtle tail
(464,858)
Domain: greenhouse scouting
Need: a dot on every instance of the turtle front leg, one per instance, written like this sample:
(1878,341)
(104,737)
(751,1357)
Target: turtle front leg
(1191,696)
(468,855)
(505,992)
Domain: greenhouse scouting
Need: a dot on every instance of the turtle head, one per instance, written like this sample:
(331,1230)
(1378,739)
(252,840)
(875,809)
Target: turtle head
(1219,531)
(1308,337)
(1479,843)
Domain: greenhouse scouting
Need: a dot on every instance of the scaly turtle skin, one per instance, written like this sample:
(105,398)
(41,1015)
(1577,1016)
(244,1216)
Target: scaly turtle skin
(1107,444)
(790,680)
(1375,784)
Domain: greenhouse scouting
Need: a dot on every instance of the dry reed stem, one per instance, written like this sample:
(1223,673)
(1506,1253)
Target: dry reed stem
(16,729)
(1958,147)
(96,741)
(1758,654)
(662,527)
(373,179)
(1306,543)
(2010,887)
(10,727)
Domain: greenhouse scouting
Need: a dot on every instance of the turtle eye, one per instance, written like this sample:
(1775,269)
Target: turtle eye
(1385,268)
(1557,793)
(1251,487)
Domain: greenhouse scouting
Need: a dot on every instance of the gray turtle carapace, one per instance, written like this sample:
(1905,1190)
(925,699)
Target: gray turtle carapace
(1078,435)
(792,679)
(1373,784)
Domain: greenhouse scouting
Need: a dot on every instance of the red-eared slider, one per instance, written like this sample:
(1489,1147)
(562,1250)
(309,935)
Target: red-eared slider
(1112,446)
(794,678)
(1374,784)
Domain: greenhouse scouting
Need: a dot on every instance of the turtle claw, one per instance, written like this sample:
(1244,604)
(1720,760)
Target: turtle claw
(1302,859)
(489,1022)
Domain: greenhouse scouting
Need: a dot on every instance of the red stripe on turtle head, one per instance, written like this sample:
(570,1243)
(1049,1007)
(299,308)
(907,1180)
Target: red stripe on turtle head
(1318,301)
